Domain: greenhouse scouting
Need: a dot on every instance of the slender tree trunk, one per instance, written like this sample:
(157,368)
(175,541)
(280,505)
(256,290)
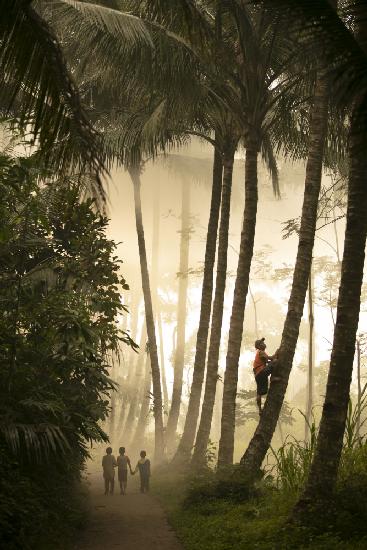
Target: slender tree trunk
(259,444)
(155,285)
(179,361)
(143,420)
(226,443)
(163,363)
(187,441)
(325,465)
(131,362)
(156,377)
(256,324)
(202,438)
(359,388)
(135,384)
(112,416)
(311,355)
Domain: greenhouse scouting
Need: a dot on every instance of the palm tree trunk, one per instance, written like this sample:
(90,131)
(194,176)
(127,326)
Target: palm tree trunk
(226,443)
(359,388)
(187,440)
(112,416)
(134,320)
(153,353)
(202,438)
(155,284)
(135,383)
(138,439)
(325,465)
(179,361)
(311,355)
(256,324)
(259,444)
(163,363)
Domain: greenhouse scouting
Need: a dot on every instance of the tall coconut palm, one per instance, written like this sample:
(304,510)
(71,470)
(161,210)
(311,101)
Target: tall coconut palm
(179,359)
(257,61)
(324,469)
(238,55)
(143,420)
(159,445)
(261,440)
(155,282)
(268,420)
(311,352)
(202,438)
(134,383)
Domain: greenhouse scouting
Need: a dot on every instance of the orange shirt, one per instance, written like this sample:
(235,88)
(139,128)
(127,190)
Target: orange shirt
(260,361)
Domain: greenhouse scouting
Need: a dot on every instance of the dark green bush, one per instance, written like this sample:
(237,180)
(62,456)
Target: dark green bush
(60,299)
(229,484)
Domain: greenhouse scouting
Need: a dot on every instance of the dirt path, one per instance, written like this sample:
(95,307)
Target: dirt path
(134,521)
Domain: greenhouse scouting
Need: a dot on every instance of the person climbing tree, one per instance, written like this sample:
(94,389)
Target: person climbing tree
(263,368)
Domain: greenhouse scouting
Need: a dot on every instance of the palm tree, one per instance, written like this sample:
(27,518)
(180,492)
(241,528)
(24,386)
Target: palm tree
(261,440)
(179,359)
(155,283)
(259,66)
(143,420)
(188,436)
(159,444)
(134,384)
(311,352)
(202,438)
(324,469)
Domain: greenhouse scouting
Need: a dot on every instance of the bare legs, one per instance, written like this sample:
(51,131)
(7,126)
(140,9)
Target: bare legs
(109,484)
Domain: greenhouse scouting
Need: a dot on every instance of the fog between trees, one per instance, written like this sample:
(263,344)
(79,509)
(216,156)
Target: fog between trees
(270,280)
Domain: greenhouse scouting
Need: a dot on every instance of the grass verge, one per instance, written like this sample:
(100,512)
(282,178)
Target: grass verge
(260,522)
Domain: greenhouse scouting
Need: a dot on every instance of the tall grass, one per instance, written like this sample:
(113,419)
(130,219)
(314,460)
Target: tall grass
(293,459)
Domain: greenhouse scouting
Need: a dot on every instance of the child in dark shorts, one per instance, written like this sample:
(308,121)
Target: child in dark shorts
(263,368)
(143,466)
(123,463)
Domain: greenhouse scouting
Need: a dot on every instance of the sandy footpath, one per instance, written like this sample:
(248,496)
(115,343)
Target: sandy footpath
(133,521)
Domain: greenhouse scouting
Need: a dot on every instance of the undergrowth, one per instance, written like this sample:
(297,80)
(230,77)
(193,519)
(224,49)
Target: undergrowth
(221,512)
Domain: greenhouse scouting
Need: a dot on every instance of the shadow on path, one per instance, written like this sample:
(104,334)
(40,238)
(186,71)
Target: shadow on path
(133,521)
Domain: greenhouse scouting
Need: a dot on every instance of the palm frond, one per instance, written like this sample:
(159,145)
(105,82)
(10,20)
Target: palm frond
(322,30)
(37,90)
(39,441)
(267,153)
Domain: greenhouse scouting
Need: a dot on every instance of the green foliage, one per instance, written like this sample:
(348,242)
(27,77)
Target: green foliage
(38,92)
(246,409)
(354,423)
(228,484)
(260,522)
(60,300)
(217,511)
(293,460)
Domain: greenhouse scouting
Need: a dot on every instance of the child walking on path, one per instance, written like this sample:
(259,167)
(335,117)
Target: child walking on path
(123,462)
(143,466)
(108,464)
(263,368)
